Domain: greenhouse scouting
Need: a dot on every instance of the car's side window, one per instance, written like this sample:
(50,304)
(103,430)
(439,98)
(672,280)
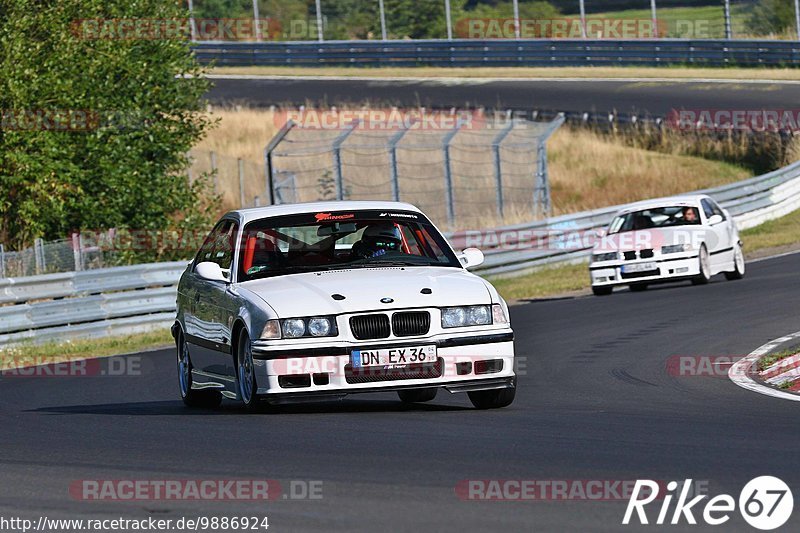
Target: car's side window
(718,210)
(219,245)
(707,209)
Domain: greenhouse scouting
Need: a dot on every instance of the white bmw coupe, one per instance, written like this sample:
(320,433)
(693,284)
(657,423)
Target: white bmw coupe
(669,239)
(317,301)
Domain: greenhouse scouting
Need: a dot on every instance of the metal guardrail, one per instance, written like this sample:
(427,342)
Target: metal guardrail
(142,297)
(502,52)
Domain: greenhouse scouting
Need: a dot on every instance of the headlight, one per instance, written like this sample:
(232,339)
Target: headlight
(479,315)
(675,248)
(454,317)
(475,315)
(319,327)
(606,256)
(294,328)
(272,330)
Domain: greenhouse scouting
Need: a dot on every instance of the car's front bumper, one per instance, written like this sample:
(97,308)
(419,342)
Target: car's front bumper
(610,273)
(464,363)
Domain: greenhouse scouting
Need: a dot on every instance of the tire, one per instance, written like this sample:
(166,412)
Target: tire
(705,267)
(417,395)
(738,264)
(493,399)
(638,287)
(192,397)
(245,373)
(602,291)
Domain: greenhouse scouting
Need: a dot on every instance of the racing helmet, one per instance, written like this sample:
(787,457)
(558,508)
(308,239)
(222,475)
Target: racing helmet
(384,236)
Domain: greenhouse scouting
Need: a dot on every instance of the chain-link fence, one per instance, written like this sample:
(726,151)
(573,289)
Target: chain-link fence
(322,20)
(239,182)
(477,174)
(64,255)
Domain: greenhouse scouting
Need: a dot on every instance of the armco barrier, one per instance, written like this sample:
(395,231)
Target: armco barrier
(138,298)
(502,52)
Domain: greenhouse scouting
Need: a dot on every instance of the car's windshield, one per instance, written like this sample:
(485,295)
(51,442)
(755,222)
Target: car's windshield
(656,217)
(330,241)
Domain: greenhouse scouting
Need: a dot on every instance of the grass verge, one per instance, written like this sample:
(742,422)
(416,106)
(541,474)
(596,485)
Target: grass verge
(769,360)
(42,354)
(677,72)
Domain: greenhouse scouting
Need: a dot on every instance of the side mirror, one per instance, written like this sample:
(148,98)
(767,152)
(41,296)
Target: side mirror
(471,257)
(714,220)
(210,271)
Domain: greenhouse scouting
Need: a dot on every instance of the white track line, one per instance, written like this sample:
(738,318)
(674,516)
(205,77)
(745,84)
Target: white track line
(739,372)
(480,80)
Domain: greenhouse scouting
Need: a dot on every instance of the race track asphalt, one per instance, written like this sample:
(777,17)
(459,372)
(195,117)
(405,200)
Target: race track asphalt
(655,98)
(595,402)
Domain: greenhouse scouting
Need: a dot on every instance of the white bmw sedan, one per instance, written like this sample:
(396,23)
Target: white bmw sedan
(669,239)
(317,301)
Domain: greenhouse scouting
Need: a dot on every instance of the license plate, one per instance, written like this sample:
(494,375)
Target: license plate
(393,357)
(639,267)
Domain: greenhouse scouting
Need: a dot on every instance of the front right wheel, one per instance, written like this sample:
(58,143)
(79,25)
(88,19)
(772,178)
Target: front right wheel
(705,267)
(738,264)
(190,396)
(494,398)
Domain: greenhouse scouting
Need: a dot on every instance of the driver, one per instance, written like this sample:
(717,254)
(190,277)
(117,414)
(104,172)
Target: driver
(377,240)
(690,215)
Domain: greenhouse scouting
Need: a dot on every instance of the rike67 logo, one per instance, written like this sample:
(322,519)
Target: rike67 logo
(765,503)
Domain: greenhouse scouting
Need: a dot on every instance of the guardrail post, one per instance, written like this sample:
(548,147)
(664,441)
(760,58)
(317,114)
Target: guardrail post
(383,20)
(498,170)
(269,168)
(192,25)
(2,261)
(337,158)
(76,252)
(320,34)
(448,176)
(797,17)
(583,19)
(448,19)
(241,181)
(38,255)
(213,156)
(256,22)
(393,163)
(727,10)
(541,191)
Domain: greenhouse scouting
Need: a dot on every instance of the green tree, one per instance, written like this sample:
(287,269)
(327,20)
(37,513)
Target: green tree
(144,103)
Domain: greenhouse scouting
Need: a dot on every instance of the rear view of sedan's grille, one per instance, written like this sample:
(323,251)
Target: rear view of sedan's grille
(370,327)
(410,324)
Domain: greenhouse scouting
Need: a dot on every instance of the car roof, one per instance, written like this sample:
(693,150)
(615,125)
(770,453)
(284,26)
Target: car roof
(256,213)
(681,200)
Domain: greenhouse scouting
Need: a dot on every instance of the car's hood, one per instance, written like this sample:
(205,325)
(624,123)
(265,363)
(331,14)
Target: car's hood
(312,293)
(651,238)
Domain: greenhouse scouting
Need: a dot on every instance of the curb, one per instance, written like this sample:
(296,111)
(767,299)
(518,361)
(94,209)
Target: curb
(744,374)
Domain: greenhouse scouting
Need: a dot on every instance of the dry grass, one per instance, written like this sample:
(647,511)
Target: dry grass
(523,72)
(588,170)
